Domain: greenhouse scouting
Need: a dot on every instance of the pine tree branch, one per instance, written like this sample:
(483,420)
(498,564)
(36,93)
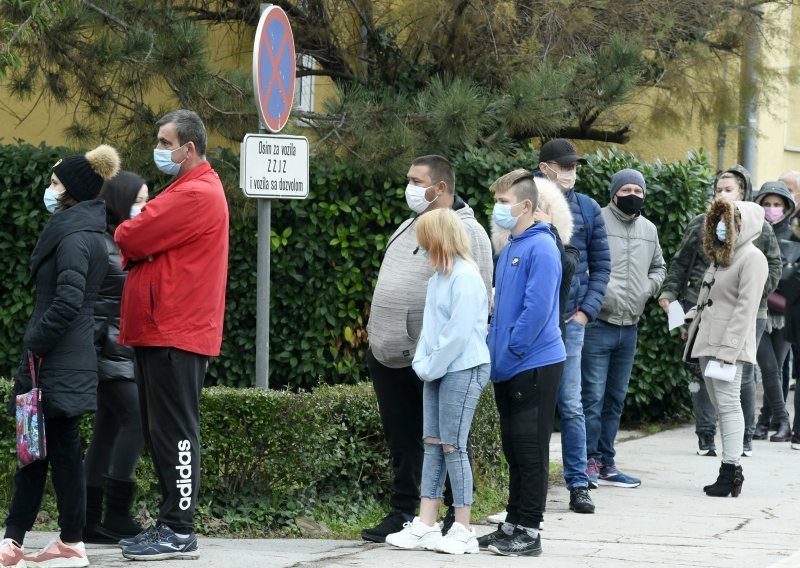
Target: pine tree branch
(107,15)
(620,136)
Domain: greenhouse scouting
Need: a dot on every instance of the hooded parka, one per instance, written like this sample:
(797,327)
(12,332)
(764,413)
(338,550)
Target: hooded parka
(724,324)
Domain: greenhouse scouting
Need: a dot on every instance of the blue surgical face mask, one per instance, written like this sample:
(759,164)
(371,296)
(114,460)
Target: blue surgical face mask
(163,160)
(423,252)
(722,231)
(51,199)
(135,211)
(502,216)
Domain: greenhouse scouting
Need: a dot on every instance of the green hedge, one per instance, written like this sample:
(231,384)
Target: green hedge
(270,455)
(326,252)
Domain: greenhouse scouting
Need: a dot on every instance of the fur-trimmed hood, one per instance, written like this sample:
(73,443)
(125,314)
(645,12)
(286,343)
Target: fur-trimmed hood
(549,197)
(750,217)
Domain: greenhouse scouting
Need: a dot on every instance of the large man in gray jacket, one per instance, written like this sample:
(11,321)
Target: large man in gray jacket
(609,346)
(394,326)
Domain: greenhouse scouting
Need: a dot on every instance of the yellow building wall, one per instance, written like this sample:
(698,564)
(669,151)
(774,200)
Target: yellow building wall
(779,120)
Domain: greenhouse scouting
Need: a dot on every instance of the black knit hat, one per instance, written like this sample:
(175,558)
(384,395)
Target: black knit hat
(559,151)
(83,175)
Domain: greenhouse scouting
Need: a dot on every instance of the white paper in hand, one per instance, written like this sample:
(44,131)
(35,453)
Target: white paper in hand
(675,315)
(715,371)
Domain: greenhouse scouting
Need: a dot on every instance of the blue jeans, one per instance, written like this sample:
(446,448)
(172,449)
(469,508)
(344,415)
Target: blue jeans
(448,405)
(570,407)
(608,352)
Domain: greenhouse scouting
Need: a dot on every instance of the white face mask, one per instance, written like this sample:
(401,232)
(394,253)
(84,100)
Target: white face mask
(415,198)
(564,180)
(135,211)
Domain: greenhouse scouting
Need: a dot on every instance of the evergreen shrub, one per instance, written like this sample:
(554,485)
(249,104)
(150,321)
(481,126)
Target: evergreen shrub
(325,256)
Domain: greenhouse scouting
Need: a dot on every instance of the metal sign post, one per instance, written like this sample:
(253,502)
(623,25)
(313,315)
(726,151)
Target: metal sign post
(271,167)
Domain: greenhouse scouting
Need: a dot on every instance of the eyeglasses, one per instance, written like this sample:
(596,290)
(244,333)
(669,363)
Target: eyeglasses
(562,169)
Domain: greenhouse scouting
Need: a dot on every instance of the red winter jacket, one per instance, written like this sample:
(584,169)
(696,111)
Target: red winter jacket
(178,298)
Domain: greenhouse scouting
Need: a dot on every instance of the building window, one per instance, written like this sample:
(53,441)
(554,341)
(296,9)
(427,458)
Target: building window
(304,86)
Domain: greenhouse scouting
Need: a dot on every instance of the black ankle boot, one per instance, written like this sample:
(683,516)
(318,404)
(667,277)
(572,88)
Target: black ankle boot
(784,433)
(729,482)
(118,523)
(762,429)
(94,514)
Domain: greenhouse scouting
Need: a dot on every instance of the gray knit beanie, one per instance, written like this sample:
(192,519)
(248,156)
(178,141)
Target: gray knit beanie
(624,177)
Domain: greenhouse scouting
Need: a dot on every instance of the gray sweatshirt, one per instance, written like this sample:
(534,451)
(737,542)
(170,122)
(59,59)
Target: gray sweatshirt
(398,302)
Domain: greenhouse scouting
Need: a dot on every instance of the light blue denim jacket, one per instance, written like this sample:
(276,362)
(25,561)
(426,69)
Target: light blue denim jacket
(454,323)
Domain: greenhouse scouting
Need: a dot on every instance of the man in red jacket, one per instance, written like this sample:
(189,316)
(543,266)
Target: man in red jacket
(176,251)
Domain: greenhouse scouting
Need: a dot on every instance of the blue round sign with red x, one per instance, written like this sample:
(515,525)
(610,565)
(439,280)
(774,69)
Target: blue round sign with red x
(274,68)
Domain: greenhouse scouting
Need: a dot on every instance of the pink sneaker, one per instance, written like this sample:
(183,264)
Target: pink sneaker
(58,555)
(10,553)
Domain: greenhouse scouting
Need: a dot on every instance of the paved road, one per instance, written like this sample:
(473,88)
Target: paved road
(668,521)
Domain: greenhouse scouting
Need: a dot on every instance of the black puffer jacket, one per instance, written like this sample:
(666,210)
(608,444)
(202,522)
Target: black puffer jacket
(68,266)
(114,361)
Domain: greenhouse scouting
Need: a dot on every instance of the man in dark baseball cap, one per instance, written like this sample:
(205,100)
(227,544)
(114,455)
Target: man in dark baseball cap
(558,161)
(561,152)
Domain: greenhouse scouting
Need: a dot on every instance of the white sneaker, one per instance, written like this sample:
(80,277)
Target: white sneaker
(416,535)
(497,517)
(458,540)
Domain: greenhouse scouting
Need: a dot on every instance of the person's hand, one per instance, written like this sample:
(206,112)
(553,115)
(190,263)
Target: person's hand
(543,215)
(581,318)
(664,303)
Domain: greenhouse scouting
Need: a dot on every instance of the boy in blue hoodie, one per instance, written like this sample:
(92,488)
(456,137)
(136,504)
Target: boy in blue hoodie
(527,358)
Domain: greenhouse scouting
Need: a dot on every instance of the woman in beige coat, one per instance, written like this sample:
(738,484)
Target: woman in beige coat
(723,324)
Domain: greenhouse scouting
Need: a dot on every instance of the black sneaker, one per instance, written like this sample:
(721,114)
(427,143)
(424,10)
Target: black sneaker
(705,445)
(796,441)
(165,544)
(449,519)
(579,500)
(520,544)
(146,535)
(393,523)
(491,538)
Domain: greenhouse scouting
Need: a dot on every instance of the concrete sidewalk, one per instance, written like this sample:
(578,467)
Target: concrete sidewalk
(668,521)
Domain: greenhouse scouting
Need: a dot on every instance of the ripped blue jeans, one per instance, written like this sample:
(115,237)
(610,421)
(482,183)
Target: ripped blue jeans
(448,407)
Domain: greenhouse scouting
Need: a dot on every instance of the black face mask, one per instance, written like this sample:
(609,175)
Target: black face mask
(630,204)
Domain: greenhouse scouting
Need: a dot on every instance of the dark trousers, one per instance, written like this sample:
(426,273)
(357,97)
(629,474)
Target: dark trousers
(170,381)
(117,439)
(772,350)
(64,456)
(526,405)
(399,393)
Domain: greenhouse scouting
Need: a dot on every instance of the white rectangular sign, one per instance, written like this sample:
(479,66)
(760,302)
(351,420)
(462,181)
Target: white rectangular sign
(274,166)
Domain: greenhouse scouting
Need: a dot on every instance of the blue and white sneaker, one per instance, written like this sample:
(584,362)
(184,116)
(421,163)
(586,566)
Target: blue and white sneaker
(163,545)
(610,475)
(144,536)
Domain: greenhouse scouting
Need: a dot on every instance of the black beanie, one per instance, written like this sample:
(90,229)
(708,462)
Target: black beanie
(83,175)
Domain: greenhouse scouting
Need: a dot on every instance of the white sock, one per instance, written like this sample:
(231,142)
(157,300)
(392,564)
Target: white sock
(179,535)
(533,533)
(507,528)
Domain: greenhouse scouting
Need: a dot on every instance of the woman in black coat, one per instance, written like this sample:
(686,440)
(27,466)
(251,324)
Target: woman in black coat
(68,265)
(117,439)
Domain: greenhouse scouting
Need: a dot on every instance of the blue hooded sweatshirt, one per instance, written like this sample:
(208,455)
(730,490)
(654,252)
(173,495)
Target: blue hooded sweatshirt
(524,332)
